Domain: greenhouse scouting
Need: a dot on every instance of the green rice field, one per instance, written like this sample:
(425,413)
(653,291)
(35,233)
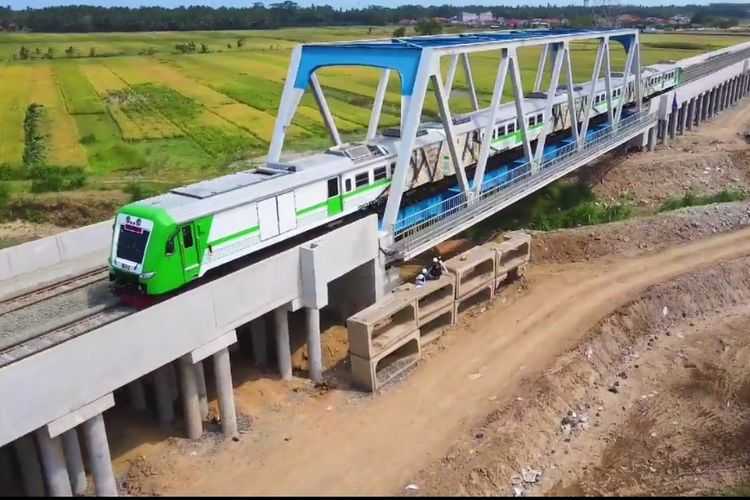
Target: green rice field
(132,106)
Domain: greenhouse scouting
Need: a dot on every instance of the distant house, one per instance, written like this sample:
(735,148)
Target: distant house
(516,23)
(539,23)
(679,20)
(407,22)
(628,20)
(486,17)
(476,19)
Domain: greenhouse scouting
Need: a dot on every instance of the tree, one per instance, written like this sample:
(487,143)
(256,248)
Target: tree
(428,26)
(240,42)
(204,48)
(92,52)
(50,53)
(399,32)
(229,45)
(23,53)
(70,51)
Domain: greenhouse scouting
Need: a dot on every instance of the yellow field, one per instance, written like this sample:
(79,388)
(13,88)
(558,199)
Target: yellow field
(15,91)
(63,145)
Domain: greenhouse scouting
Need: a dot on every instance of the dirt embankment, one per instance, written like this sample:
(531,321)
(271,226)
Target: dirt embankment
(65,209)
(654,400)
(639,235)
(709,159)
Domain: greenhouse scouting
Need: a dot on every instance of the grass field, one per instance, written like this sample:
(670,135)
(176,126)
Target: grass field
(129,106)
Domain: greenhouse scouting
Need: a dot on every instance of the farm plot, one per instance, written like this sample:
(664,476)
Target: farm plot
(80,96)
(136,119)
(15,91)
(63,146)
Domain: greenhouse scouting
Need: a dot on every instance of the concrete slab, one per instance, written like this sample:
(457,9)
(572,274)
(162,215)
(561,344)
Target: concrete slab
(372,374)
(473,269)
(384,323)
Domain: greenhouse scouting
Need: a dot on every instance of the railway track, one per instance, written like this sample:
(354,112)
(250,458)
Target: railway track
(55,289)
(55,332)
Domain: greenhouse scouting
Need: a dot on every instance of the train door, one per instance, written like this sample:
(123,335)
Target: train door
(287,212)
(268,218)
(190,254)
(335,203)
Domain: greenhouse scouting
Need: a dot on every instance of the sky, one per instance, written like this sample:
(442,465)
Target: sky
(347,4)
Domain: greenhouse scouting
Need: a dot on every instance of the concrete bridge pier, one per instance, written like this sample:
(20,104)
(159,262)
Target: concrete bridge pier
(100,460)
(72,450)
(283,350)
(190,400)
(690,114)
(202,392)
(259,335)
(652,139)
(698,110)
(218,349)
(31,470)
(54,468)
(137,395)
(673,124)
(164,402)
(314,351)
(683,117)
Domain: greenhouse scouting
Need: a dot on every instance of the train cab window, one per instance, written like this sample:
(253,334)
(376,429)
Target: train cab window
(169,250)
(362,179)
(379,173)
(187,237)
(347,185)
(539,118)
(393,167)
(333,187)
(532,121)
(511,128)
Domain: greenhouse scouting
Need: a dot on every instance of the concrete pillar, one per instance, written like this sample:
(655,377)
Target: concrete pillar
(683,117)
(200,376)
(97,450)
(314,350)
(164,406)
(665,131)
(283,351)
(698,110)
(652,139)
(53,464)
(260,341)
(225,392)
(190,402)
(72,450)
(137,395)
(31,470)
(174,384)
(690,121)
(673,124)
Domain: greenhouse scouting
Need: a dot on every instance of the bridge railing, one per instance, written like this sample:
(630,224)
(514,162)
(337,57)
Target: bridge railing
(443,217)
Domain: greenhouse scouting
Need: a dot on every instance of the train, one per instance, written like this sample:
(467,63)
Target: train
(161,244)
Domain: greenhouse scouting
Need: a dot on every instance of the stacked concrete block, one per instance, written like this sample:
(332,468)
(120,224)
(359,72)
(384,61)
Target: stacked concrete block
(512,255)
(434,302)
(475,273)
(383,340)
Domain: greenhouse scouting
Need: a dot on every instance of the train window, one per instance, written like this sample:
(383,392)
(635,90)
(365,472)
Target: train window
(187,237)
(539,118)
(501,131)
(379,173)
(362,179)
(348,185)
(333,187)
(393,167)
(511,128)
(532,121)
(169,250)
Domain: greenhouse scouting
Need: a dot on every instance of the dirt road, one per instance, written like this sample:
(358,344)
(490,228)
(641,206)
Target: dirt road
(347,445)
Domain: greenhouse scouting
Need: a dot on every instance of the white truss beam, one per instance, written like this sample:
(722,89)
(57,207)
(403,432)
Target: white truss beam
(325,112)
(515,75)
(592,93)
(450,136)
(572,111)
(451,75)
(470,81)
(558,52)
(497,95)
(541,67)
(608,80)
(377,105)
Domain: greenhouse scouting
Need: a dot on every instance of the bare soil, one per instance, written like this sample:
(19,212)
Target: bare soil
(706,160)
(66,210)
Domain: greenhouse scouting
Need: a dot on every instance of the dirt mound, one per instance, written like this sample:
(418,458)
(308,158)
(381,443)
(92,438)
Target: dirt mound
(649,181)
(654,401)
(636,236)
(68,209)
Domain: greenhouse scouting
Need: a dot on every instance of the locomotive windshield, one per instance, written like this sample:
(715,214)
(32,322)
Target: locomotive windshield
(131,243)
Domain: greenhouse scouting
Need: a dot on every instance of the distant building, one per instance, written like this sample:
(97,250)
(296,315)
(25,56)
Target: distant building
(407,22)
(679,20)
(476,19)
(628,20)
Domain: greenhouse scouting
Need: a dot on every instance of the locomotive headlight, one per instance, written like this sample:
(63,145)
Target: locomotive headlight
(147,276)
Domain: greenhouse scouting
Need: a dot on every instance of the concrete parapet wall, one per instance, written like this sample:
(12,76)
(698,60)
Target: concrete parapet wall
(53,250)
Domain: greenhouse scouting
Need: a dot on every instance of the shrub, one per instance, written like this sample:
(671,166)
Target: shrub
(53,179)
(138,191)
(88,139)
